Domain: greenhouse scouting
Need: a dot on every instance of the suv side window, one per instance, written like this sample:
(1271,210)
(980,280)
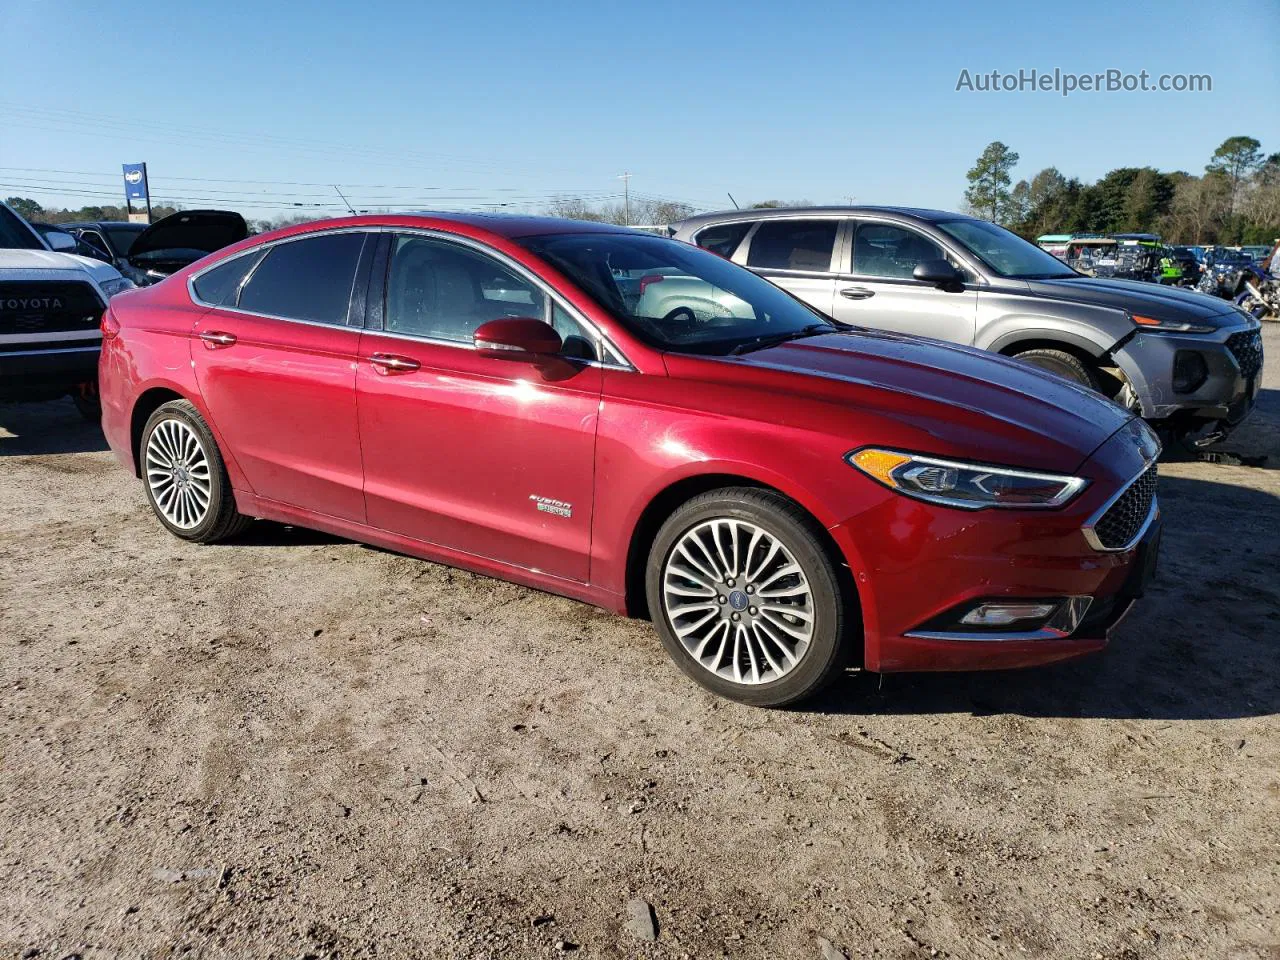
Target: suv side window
(723,238)
(307,279)
(794,245)
(887,250)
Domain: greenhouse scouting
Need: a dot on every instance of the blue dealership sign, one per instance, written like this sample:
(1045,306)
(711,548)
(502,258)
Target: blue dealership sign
(135,182)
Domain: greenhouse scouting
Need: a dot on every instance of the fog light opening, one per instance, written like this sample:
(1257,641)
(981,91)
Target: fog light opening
(1008,618)
(1005,614)
(1189,371)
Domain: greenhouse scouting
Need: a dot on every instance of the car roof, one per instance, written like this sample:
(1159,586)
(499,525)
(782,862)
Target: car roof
(518,225)
(921,214)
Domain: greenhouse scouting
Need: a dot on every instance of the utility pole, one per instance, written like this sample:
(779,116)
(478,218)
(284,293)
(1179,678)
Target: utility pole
(626,197)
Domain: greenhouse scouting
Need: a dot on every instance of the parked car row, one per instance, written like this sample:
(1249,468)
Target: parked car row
(55,282)
(1189,364)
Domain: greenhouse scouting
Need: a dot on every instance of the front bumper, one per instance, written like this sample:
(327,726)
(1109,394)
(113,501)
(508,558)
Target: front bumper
(47,372)
(1233,366)
(914,563)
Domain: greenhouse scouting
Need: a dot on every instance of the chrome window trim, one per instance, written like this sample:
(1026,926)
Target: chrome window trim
(485,250)
(608,345)
(261,249)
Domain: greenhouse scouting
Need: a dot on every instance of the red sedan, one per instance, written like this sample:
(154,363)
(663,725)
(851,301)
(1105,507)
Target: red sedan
(642,425)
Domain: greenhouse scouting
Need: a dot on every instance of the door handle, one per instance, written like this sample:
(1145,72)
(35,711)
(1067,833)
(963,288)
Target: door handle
(856,293)
(213,339)
(386,363)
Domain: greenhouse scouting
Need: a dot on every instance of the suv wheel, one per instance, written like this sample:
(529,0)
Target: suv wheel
(1066,365)
(746,599)
(185,478)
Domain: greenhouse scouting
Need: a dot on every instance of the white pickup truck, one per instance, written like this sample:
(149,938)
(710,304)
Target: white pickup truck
(51,303)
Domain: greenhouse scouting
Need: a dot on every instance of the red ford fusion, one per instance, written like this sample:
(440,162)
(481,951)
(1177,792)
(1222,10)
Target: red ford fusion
(638,424)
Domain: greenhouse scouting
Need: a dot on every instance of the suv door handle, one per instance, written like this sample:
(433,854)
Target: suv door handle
(856,293)
(386,363)
(213,339)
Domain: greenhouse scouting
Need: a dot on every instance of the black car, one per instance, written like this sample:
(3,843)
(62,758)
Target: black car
(147,254)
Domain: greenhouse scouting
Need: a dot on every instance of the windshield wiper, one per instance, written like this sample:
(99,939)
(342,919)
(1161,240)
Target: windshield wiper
(773,339)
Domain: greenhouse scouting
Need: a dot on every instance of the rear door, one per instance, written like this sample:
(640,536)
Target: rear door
(876,288)
(275,361)
(799,255)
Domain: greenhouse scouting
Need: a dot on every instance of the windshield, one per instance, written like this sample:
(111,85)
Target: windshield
(14,234)
(1005,253)
(677,296)
(121,238)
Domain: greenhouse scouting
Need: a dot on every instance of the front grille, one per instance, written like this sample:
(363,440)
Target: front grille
(59,307)
(1120,525)
(1246,347)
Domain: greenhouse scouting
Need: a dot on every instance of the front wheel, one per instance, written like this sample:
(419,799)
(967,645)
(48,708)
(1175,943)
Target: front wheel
(1066,365)
(185,477)
(746,599)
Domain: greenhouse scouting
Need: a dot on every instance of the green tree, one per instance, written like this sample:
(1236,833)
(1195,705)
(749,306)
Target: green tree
(1235,159)
(25,207)
(988,193)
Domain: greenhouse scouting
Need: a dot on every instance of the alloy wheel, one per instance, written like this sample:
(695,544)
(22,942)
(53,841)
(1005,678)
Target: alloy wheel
(178,474)
(738,601)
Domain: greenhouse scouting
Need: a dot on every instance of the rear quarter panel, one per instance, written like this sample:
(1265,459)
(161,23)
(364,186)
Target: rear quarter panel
(152,351)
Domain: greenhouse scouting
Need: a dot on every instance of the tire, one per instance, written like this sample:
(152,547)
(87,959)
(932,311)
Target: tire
(744,646)
(1066,365)
(89,406)
(181,466)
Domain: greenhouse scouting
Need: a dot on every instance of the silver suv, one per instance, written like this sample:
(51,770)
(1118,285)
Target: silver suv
(1188,361)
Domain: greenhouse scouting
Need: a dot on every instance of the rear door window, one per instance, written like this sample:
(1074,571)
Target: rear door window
(218,287)
(723,238)
(308,279)
(805,245)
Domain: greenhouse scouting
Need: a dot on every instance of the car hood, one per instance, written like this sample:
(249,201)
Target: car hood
(47,264)
(199,231)
(1147,299)
(960,401)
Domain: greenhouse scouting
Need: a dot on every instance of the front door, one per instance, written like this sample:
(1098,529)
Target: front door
(275,362)
(491,457)
(878,290)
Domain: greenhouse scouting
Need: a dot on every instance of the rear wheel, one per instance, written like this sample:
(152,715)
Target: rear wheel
(87,401)
(185,477)
(1066,365)
(746,599)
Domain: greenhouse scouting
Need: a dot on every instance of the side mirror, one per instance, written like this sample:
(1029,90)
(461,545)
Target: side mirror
(60,241)
(516,338)
(938,272)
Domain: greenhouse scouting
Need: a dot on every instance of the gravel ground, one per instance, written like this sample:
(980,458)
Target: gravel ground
(297,746)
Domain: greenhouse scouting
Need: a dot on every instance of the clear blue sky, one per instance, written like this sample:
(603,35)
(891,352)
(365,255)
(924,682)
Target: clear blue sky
(451,105)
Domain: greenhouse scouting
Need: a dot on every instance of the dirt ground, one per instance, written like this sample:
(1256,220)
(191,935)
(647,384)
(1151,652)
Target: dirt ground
(295,746)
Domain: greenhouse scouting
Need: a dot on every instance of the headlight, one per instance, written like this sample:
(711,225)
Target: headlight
(1171,326)
(970,486)
(120,284)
